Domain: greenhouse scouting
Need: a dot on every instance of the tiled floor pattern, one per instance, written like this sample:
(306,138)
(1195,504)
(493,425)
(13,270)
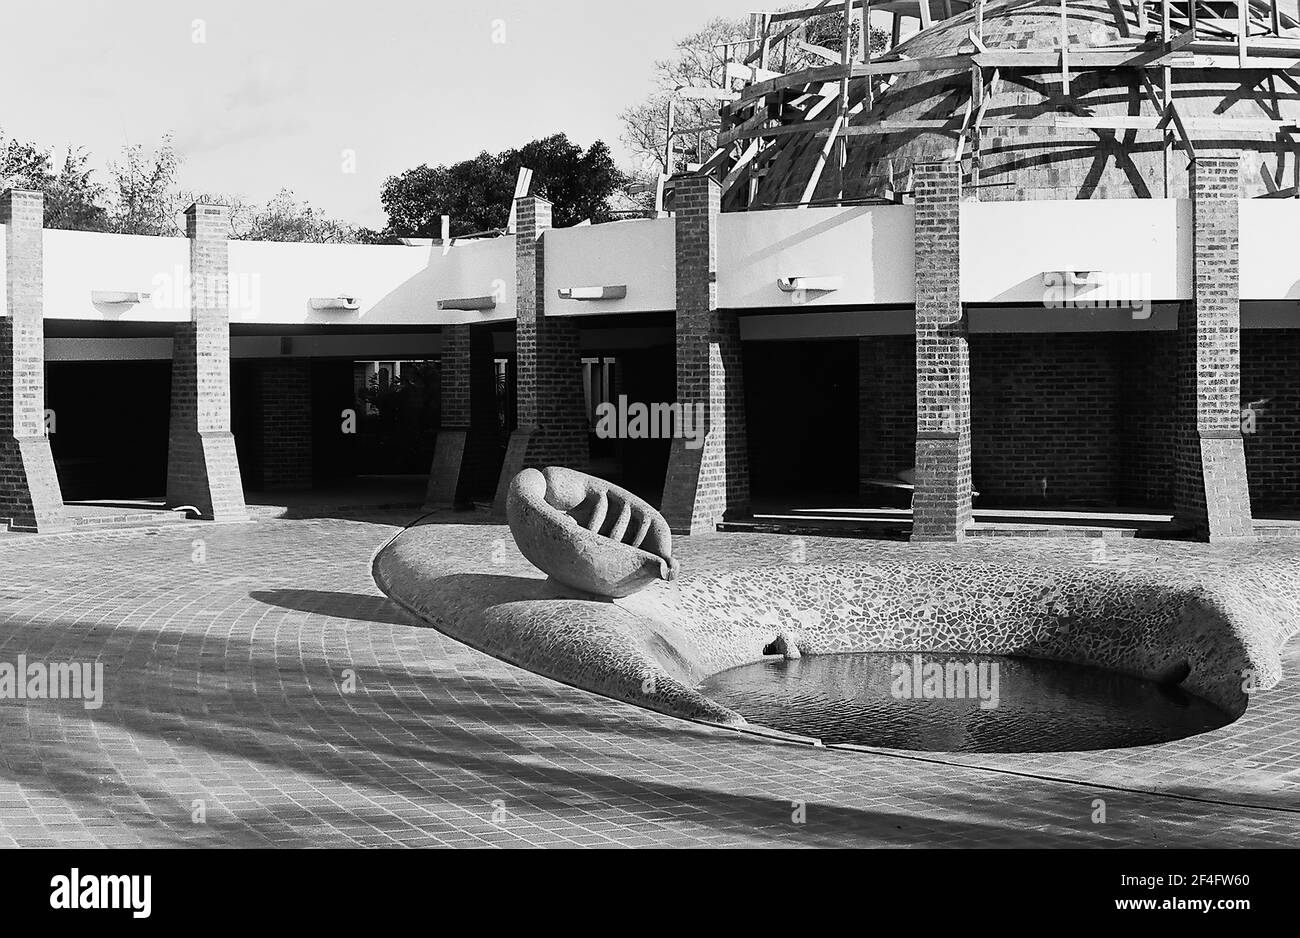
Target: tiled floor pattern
(254,672)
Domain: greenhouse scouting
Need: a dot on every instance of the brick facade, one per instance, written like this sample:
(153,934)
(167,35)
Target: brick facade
(551,411)
(202,467)
(886,408)
(1045,418)
(704,485)
(1270,362)
(464,451)
(1093,413)
(1211,495)
(1044,408)
(284,403)
(942,502)
(30,497)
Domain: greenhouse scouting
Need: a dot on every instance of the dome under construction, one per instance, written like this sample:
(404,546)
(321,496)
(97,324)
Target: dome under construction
(1116,110)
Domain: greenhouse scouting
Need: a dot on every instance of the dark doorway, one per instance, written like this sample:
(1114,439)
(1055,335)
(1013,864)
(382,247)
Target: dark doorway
(336,455)
(647,377)
(109,436)
(801,408)
(246,421)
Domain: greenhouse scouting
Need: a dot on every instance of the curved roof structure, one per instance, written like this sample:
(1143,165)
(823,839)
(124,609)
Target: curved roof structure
(991,85)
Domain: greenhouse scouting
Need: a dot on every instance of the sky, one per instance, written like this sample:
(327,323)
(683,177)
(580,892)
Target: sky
(325,97)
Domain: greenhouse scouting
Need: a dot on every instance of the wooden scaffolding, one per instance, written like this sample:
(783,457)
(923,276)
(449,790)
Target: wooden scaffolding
(760,103)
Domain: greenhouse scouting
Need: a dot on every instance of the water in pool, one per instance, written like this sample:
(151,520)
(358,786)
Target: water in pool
(960,703)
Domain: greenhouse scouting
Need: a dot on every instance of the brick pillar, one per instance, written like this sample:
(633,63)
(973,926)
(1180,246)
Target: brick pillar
(705,483)
(284,398)
(941,508)
(202,468)
(468,415)
(551,425)
(1210,492)
(30,497)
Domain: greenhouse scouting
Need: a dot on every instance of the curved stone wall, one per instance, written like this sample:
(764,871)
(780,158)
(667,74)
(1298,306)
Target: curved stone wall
(652,649)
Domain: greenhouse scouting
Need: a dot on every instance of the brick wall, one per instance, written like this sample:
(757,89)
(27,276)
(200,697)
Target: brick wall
(1270,366)
(1045,406)
(548,365)
(30,498)
(550,406)
(886,408)
(454,371)
(550,393)
(1093,412)
(942,503)
(1210,488)
(285,423)
(202,466)
(1045,418)
(704,485)
(1148,409)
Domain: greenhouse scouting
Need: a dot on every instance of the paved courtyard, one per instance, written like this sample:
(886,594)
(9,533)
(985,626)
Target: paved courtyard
(260,691)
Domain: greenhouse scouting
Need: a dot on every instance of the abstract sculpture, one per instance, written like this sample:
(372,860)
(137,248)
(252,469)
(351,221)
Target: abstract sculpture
(588,534)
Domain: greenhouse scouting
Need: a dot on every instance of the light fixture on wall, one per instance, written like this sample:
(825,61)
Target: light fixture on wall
(119,297)
(1072,278)
(617,292)
(335,302)
(809,284)
(469,303)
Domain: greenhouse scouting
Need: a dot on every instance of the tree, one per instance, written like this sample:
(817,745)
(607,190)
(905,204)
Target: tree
(144,198)
(145,190)
(72,198)
(700,62)
(24,166)
(579,183)
(477,193)
(284,218)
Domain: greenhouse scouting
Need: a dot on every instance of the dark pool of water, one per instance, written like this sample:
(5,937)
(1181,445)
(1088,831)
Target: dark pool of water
(970,703)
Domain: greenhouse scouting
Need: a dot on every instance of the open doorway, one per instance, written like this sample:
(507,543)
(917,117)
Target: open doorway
(801,409)
(108,428)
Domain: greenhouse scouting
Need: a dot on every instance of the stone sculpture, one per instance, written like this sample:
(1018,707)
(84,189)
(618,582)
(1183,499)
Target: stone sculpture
(587,533)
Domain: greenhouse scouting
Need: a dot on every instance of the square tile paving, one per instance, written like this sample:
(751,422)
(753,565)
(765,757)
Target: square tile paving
(261,692)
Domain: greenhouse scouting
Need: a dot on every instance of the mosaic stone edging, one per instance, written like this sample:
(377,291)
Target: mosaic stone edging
(653,648)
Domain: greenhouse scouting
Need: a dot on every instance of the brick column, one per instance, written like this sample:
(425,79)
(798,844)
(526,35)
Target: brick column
(284,398)
(202,468)
(705,483)
(468,413)
(551,425)
(941,508)
(30,497)
(1210,492)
